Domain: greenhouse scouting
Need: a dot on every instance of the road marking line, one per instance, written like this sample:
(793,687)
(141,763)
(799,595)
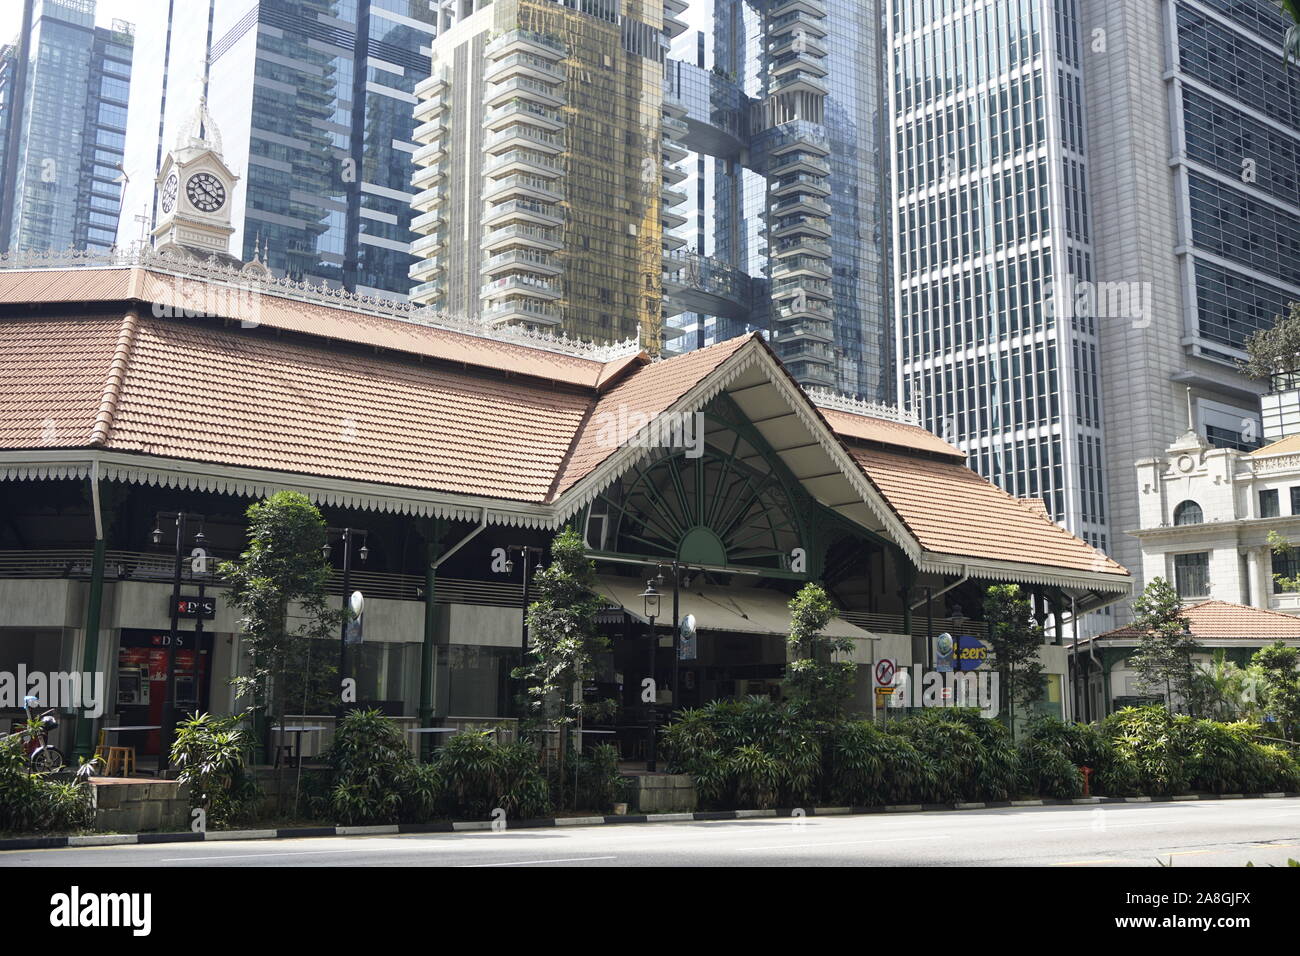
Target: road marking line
(1107,826)
(572,859)
(1088,862)
(798,846)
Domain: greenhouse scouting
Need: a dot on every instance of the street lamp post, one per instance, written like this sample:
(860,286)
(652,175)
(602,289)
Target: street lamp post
(182,520)
(346,536)
(651,599)
(526,553)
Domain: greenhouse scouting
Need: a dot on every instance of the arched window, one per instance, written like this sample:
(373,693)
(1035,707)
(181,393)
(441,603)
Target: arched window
(1189,512)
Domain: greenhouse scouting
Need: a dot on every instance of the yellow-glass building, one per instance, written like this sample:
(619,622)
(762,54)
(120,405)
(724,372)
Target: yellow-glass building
(541,175)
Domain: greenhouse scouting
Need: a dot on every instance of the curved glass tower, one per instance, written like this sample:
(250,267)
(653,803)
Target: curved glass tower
(781,101)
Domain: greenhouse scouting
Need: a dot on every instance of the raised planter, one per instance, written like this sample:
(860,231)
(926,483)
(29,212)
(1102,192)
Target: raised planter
(133,805)
(662,792)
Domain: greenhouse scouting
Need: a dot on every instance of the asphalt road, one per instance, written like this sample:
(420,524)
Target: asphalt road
(1207,833)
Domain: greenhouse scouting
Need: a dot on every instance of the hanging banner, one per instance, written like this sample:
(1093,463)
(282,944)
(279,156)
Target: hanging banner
(686,647)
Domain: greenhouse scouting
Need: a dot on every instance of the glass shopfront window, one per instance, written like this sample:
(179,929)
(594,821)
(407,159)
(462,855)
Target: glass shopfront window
(34,651)
(388,675)
(475,681)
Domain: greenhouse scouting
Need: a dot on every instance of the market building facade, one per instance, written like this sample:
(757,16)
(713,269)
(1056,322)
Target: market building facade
(135,388)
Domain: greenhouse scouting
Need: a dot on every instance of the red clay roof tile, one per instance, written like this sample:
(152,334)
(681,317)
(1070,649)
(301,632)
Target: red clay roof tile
(1219,620)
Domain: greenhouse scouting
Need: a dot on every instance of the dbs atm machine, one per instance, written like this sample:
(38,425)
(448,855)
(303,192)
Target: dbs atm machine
(142,664)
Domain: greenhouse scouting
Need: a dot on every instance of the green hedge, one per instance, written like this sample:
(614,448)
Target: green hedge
(757,754)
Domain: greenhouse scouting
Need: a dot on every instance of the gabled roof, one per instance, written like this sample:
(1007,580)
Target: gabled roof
(1223,620)
(393,414)
(952,510)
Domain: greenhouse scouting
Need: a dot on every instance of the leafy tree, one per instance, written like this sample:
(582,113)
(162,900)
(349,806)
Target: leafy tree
(1164,654)
(1291,45)
(1222,690)
(818,686)
(1014,639)
(279,585)
(1275,350)
(1281,681)
(562,638)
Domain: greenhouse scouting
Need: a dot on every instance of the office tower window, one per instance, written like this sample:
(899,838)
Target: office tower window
(998,351)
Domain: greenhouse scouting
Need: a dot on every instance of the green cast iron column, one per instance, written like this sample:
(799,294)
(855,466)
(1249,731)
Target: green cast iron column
(84,745)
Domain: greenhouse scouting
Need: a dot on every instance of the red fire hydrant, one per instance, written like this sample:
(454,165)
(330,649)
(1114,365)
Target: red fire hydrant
(1087,782)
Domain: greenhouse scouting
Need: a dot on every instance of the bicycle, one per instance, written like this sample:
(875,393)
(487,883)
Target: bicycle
(42,756)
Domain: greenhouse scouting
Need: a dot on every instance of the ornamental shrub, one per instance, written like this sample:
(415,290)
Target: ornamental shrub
(478,776)
(868,767)
(1155,744)
(34,803)
(376,777)
(750,753)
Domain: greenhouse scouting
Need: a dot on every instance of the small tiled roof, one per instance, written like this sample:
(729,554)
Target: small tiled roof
(52,379)
(886,432)
(952,510)
(209,395)
(1223,620)
(1283,446)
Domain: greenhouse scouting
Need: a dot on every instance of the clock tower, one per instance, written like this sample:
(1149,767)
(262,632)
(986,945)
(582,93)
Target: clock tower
(193,192)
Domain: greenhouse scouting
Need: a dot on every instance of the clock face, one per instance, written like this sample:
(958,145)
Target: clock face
(205,192)
(169,192)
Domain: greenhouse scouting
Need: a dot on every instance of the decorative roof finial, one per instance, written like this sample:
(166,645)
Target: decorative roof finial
(200,130)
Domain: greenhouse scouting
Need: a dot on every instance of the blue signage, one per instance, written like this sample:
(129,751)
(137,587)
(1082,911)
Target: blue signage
(972,653)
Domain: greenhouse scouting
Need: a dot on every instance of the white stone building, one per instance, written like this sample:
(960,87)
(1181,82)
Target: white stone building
(1206,515)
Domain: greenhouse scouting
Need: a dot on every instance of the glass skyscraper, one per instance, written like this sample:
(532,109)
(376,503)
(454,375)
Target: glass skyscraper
(990,172)
(540,182)
(314,102)
(781,105)
(693,170)
(1094,205)
(64,87)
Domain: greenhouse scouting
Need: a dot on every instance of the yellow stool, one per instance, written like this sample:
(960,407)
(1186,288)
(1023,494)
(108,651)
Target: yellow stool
(121,758)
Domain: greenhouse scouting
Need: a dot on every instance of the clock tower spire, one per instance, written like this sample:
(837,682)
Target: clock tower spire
(193,191)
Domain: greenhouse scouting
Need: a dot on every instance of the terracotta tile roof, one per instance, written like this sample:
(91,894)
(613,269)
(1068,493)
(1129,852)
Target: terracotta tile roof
(283,312)
(1283,446)
(886,432)
(348,325)
(952,510)
(649,391)
(64,285)
(1219,620)
(325,402)
(53,374)
(1036,505)
(206,394)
